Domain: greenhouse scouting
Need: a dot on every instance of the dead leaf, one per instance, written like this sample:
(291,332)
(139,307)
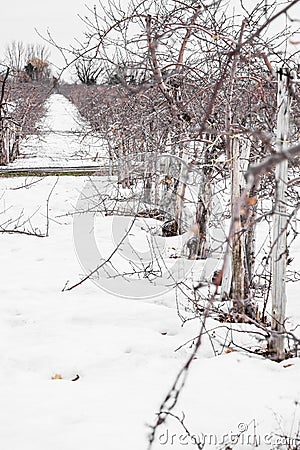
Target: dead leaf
(252,201)
(57,376)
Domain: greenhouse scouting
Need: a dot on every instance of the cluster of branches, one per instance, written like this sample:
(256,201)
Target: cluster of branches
(25,83)
(21,108)
(216,81)
(200,81)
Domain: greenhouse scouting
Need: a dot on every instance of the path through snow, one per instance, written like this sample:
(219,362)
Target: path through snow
(65,139)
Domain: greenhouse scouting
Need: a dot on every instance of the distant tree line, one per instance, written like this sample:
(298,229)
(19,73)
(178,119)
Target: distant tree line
(28,62)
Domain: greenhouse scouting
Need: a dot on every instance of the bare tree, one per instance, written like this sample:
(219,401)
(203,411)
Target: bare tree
(21,107)
(88,71)
(16,56)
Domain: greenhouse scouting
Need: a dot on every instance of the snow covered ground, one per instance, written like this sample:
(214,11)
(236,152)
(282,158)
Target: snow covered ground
(122,349)
(125,351)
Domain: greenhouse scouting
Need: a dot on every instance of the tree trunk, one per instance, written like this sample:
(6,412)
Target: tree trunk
(203,212)
(179,202)
(249,237)
(238,260)
(4,153)
(279,251)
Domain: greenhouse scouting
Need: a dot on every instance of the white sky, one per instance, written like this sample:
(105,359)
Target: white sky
(19,18)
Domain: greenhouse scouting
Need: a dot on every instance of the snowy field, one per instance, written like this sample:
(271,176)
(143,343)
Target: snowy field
(123,353)
(123,350)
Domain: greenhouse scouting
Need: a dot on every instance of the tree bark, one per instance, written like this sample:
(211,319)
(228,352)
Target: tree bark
(179,202)
(238,268)
(279,251)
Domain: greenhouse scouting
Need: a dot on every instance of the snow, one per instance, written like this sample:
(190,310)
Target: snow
(124,350)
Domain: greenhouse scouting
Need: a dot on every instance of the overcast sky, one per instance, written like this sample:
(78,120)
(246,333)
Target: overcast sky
(19,18)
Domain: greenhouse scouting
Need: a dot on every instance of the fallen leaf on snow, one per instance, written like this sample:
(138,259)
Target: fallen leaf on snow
(57,376)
